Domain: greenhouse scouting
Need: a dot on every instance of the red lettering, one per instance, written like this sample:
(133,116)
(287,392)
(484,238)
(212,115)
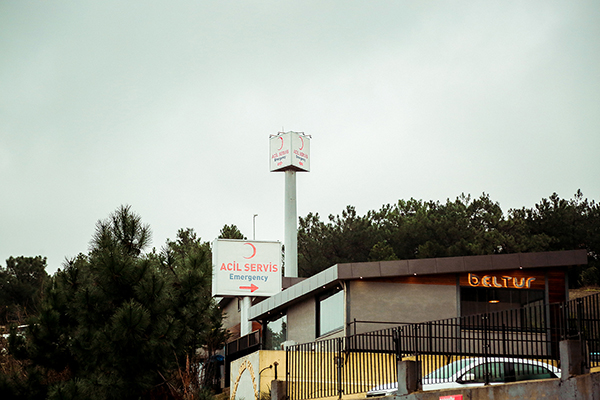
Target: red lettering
(223,267)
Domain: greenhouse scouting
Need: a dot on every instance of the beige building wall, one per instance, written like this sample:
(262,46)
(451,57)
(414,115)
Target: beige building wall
(252,375)
(232,316)
(399,303)
(301,320)
(377,301)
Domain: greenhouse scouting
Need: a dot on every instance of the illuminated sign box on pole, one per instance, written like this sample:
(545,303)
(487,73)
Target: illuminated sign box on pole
(246,268)
(290,151)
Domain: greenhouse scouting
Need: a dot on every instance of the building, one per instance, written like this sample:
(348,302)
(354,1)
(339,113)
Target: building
(361,297)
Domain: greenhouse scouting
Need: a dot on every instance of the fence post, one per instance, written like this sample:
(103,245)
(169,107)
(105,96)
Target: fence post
(396,339)
(278,390)
(287,373)
(581,332)
(503,338)
(339,367)
(407,377)
(486,348)
(572,359)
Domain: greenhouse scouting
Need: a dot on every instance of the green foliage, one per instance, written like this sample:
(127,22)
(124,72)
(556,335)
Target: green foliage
(418,229)
(21,284)
(117,323)
(231,232)
(382,251)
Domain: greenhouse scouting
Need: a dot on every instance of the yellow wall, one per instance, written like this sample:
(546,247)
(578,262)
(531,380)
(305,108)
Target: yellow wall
(251,375)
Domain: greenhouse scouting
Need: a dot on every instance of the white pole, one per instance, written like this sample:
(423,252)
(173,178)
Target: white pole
(254,226)
(290,217)
(245,323)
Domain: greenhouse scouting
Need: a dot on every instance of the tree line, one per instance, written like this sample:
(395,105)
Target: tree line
(118,322)
(124,321)
(465,226)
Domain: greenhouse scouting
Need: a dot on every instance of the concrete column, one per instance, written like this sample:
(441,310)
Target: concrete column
(278,390)
(572,360)
(290,240)
(245,323)
(407,377)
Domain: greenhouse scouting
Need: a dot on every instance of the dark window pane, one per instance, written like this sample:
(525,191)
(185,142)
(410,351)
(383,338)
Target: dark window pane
(276,333)
(525,372)
(477,374)
(477,300)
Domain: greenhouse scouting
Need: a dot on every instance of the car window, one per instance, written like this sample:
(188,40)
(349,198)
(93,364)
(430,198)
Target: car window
(524,372)
(448,370)
(477,374)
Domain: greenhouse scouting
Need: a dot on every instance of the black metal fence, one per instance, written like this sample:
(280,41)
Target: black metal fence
(245,344)
(361,362)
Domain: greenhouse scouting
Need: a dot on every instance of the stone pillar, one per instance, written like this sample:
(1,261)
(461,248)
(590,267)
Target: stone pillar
(572,361)
(407,377)
(278,390)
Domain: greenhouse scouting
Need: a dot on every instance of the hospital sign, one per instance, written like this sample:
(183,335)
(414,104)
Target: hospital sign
(246,268)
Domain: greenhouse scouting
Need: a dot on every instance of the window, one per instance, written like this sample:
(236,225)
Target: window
(475,300)
(276,333)
(478,300)
(524,372)
(477,374)
(330,312)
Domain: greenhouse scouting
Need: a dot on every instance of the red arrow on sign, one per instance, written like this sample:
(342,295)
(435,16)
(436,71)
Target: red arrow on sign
(252,287)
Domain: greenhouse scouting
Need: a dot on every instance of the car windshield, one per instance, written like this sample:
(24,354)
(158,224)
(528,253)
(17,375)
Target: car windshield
(448,370)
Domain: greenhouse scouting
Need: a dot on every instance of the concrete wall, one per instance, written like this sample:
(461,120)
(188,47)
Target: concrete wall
(378,301)
(582,387)
(399,302)
(301,321)
(232,317)
(252,375)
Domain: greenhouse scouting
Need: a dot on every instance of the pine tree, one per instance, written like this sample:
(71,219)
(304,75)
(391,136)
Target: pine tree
(21,284)
(118,323)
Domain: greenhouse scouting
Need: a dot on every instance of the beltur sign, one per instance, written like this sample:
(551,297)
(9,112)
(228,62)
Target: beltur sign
(515,279)
(246,268)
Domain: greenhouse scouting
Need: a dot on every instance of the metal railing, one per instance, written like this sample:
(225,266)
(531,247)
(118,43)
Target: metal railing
(343,365)
(249,342)
(361,362)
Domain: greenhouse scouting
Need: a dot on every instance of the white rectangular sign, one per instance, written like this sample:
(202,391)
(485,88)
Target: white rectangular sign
(290,150)
(246,268)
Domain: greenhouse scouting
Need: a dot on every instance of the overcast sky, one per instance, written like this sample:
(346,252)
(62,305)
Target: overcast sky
(168,107)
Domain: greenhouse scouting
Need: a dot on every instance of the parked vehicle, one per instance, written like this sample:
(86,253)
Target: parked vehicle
(471,372)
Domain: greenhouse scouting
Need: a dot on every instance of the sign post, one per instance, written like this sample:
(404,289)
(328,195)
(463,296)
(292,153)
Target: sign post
(290,153)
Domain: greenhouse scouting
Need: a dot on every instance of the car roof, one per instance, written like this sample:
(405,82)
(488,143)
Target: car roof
(472,362)
(481,360)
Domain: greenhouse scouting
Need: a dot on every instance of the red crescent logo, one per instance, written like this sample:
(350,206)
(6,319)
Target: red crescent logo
(253,251)
(280,147)
(301,147)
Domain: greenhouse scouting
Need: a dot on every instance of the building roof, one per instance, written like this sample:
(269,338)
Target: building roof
(399,268)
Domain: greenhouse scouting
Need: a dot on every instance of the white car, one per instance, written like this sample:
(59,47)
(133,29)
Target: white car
(470,372)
